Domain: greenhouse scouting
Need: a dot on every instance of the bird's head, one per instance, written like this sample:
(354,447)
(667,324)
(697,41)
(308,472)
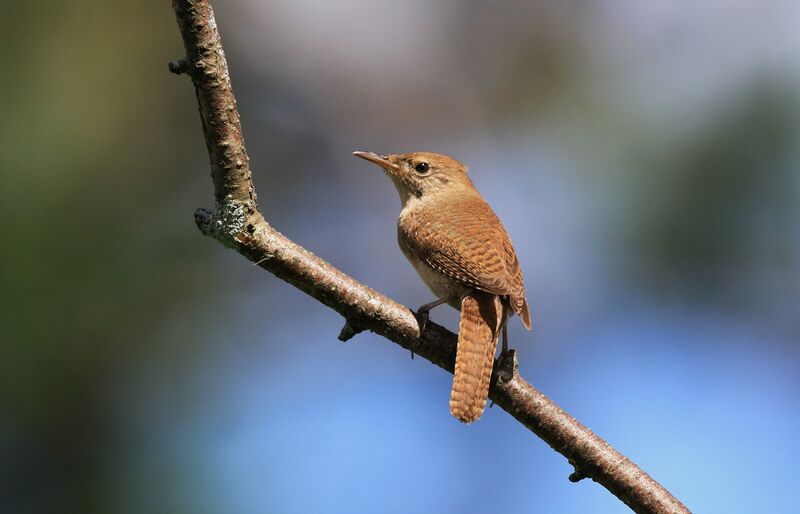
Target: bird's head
(421,174)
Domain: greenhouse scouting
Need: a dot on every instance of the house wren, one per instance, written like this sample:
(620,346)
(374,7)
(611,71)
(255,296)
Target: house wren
(462,252)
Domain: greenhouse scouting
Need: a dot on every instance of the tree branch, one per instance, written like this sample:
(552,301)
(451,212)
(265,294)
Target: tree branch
(237,223)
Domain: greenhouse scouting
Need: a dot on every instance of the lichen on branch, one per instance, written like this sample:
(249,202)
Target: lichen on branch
(237,223)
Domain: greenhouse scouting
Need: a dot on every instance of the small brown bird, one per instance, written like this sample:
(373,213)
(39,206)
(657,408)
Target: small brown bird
(462,252)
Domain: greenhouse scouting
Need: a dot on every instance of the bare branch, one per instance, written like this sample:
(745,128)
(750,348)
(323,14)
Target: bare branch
(237,223)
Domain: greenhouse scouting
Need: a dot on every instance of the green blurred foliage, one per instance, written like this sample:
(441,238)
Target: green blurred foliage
(103,272)
(99,247)
(718,205)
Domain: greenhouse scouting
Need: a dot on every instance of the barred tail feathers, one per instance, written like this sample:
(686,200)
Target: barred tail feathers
(478,332)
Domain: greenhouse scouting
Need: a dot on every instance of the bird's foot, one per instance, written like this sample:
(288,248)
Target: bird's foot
(422,315)
(506,366)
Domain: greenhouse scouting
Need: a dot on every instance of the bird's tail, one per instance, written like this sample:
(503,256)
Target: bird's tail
(478,331)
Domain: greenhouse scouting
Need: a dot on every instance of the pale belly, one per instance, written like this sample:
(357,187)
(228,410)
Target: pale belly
(440,285)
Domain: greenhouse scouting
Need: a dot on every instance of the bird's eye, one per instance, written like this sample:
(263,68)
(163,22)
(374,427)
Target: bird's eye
(422,168)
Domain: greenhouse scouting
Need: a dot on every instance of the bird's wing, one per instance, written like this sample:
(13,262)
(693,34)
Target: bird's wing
(467,243)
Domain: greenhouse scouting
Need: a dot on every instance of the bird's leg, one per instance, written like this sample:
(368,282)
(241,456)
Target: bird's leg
(505,333)
(504,349)
(423,313)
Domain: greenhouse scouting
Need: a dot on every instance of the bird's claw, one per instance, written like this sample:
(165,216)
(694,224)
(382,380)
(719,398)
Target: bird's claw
(422,315)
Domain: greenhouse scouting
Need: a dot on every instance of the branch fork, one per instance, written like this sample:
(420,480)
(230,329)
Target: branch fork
(237,223)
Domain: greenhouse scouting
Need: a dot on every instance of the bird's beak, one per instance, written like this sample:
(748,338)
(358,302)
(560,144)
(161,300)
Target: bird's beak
(381,160)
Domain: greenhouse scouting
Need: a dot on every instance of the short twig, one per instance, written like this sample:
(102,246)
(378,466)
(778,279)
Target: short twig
(241,226)
(349,330)
(178,67)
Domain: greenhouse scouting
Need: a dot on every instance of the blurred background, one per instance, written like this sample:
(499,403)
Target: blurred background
(644,157)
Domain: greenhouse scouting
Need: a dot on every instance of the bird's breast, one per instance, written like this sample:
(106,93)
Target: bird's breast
(441,285)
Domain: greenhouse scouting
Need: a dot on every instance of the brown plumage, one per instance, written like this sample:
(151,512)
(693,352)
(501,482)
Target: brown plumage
(462,252)
(478,331)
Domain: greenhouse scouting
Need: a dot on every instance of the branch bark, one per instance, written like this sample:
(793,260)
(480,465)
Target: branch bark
(237,223)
